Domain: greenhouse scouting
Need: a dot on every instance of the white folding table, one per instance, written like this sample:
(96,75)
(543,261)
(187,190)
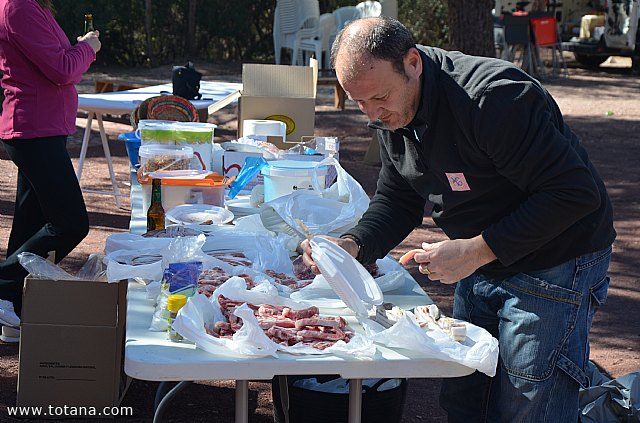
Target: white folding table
(123,102)
(152,356)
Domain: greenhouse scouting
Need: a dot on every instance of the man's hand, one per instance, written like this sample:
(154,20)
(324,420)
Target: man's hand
(347,244)
(92,38)
(450,261)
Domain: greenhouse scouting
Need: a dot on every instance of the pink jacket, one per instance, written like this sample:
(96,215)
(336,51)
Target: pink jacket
(40,69)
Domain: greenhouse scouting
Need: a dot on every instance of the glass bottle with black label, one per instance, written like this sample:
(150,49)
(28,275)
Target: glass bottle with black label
(155,213)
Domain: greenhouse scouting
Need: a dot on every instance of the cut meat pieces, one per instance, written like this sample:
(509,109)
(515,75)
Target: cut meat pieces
(210,279)
(290,281)
(284,325)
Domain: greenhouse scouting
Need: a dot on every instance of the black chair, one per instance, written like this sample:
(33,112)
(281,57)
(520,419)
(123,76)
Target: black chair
(517,35)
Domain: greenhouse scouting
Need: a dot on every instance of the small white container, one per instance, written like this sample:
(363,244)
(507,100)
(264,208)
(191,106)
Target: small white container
(282,177)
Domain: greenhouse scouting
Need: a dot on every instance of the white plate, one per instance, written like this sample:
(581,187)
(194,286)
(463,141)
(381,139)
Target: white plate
(348,278)
(241,206)
(188,214)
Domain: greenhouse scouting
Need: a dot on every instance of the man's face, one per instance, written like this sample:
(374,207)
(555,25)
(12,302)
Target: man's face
(385,94)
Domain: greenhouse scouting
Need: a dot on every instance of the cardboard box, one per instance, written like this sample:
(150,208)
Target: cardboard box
(277,92)
(72,343)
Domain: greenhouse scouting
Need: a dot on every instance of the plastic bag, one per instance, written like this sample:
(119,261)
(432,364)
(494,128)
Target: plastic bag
(250,340)
(479,350)
(341,386)
(186,81)
(93,269)
(320,293)
(41,268)
(325,212)
(610,401)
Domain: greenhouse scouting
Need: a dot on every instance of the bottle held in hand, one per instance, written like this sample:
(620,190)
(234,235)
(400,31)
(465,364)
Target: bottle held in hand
(88,22)
(155,213)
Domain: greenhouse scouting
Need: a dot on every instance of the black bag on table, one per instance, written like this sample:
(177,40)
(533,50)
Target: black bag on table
(186,81)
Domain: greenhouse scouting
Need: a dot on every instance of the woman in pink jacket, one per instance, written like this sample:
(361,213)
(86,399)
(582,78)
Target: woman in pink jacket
(40,68)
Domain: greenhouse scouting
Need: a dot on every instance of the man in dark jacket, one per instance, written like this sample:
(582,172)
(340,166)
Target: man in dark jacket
(528,216)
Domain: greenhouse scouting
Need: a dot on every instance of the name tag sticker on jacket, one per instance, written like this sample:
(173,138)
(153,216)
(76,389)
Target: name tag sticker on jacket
(458,182)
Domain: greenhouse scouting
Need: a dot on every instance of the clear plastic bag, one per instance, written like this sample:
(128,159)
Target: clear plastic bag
(40,268)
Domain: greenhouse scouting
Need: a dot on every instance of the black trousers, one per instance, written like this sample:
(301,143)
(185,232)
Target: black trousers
(50,214)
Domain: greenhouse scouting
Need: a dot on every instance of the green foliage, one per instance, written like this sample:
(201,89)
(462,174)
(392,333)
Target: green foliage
(426,19)
(239,30)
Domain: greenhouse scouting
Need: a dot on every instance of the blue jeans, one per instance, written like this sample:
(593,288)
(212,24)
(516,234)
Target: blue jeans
(541,320)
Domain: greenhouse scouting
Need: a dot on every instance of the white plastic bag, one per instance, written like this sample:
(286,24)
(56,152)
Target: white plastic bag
(479,351)
(325,212)
(250,340)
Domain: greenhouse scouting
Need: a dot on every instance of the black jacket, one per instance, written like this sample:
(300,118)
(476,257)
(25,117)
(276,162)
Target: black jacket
(495,158)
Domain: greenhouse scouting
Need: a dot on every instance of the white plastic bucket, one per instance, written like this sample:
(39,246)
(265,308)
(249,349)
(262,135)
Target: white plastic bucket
(283,177)
(264,128)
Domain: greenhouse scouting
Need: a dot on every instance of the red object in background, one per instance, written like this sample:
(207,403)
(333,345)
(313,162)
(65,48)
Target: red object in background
(545,30)
(520,13)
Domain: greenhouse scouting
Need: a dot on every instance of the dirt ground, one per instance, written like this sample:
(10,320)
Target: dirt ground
(603,108)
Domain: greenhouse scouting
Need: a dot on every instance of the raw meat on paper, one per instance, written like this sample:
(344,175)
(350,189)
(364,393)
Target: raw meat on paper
(234,258)
(210,279)
(283,279)
(284,325)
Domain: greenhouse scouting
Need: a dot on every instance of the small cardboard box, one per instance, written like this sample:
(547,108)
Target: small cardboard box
(277,92)
(71,343)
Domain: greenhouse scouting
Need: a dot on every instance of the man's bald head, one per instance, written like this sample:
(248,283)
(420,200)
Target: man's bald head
(381,38)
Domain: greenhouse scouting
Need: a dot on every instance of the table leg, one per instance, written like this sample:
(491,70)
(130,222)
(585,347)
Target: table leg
(159,411)
(242,401)
(355,400)
(107,155)
(339,97)
(85,144)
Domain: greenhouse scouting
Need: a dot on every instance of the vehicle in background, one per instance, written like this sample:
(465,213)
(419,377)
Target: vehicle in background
(592,29)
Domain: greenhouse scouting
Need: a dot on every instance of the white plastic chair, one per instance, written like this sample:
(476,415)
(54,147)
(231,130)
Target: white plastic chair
(343,15)
(346,14)
(294,20)
(369,9)
(319,43)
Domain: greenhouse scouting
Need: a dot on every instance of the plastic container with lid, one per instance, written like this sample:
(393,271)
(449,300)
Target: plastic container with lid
(348,278)
(197,135)
(186,187)
(282,177)
(155,157)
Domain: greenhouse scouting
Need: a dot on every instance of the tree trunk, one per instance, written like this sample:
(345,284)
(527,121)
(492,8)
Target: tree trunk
(471,27)
(191,28)
(148,27)
(539,5)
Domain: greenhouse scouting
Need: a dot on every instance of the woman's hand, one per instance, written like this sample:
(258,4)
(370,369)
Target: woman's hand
(92,38)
